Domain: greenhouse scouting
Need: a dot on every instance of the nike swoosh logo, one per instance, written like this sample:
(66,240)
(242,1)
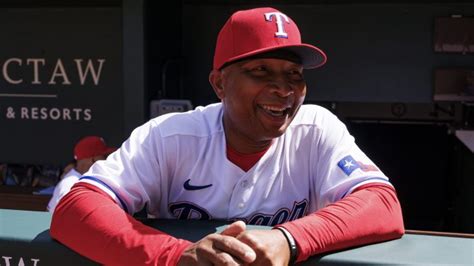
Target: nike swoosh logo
(188,186)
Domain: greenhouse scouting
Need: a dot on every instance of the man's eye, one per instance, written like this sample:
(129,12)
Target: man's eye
(296,75)
(259,69)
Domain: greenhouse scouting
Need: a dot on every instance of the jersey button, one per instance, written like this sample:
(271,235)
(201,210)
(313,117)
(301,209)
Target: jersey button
(241,205)
(244,183)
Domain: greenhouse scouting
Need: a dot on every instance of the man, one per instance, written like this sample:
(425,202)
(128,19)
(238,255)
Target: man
(259,157)
(87,151)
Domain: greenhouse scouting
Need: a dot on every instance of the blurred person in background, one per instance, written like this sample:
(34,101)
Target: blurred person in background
(87,151)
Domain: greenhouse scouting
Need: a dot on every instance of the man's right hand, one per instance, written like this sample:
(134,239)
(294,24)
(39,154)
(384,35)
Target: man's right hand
(219,249)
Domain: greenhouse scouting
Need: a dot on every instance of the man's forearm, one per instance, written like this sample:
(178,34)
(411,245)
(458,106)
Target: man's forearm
(370,214)
(88,221)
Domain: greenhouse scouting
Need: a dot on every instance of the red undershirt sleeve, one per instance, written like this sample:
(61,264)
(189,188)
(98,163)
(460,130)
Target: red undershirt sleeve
(370,214)
(88,221)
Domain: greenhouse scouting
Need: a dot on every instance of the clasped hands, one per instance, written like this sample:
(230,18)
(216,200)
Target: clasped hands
(237,246)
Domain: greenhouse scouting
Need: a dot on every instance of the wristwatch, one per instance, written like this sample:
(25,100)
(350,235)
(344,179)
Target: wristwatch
(291,244)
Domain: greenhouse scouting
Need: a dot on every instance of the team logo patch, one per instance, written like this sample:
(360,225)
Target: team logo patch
(348,165)
(188,186)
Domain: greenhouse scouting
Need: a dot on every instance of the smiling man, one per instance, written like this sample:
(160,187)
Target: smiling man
(261,97)
(259,157)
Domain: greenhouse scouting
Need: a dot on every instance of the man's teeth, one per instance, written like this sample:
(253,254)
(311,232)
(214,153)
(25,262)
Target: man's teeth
(273,110)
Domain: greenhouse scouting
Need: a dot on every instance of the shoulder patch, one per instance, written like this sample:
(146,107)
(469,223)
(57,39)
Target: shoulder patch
(348,165)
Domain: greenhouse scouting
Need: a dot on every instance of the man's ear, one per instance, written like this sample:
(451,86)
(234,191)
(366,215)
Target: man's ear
(216,80)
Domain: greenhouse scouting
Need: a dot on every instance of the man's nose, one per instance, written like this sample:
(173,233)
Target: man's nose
(281,86)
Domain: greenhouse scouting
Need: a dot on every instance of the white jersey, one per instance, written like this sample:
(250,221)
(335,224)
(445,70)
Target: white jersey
(176,165)
(63,187)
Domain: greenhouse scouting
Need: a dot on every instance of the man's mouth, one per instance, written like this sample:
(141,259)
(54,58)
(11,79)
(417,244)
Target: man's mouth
(276,111)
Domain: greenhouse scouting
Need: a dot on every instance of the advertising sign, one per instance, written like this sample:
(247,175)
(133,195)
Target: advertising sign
(60,80)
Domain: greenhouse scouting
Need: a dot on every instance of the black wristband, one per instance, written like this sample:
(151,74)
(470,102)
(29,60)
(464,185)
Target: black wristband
(291,244)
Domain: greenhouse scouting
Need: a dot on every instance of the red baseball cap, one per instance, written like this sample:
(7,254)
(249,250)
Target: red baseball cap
(250,32)
(91,146)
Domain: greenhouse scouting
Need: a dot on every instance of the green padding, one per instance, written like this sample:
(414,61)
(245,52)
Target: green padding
(25,240)
(22,225)
(410,250)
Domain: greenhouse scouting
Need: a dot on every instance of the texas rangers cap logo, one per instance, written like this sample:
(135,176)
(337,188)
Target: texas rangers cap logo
(280,19)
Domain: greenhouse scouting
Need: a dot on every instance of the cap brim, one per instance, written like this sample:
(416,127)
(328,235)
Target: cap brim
(311,56)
